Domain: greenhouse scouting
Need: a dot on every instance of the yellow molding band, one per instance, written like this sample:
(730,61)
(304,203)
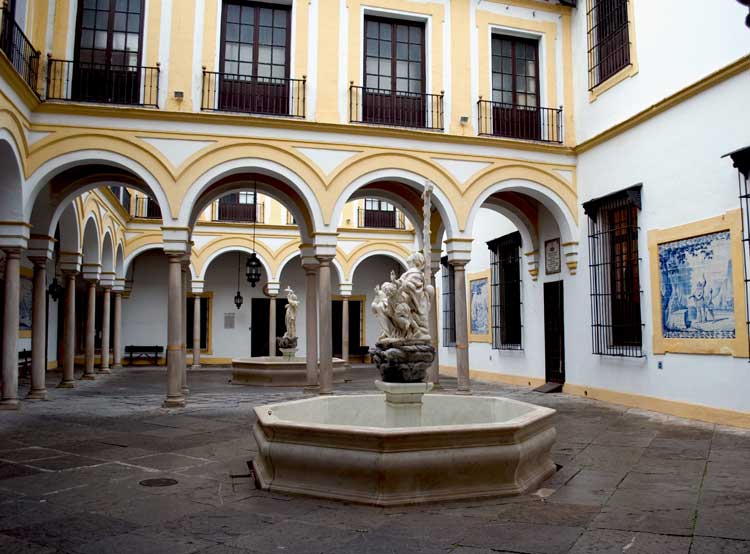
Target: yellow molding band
(711,80)
(493,377)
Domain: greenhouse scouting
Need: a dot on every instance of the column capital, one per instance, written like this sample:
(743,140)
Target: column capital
(107,279)
(176,239)
(67,272)
(12,252)
(345,289)
(570,254)
(272,288)
(40,248)
(91,271)
(324,245)
(196,286)
(459,250)
(14,234)
(119,285)
(71,261)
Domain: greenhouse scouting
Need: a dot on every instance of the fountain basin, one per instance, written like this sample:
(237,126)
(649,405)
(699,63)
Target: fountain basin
(342,447)
(278,371)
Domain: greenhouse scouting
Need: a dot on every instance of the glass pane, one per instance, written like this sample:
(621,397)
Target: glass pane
(531,100)
(521,99)
(247,16)
(415,53)
(132,42)
(402,51)
(372,47)
(495,64)
(385,83)
(87,39)
(279,72)
(103,5)
(402,33)
(279,55)
(521,84)
(101,39)
(279,37)
(372,29)
(402,69)
(135,6)
(279,18)
(264,54)
(371,65)
(89,4)
(233,13)
(506,66)
(134,23)
(531,69)
(246,52)
(102,20)
(385,67)
(264,70)
(497,82)
(265,36)
(402,85)
(530,52)
(415,35)
(531,85)
(385,31)
(385,49)
(507,97)
(233,32)
(246,33)
(89,16)
(415,86)
(507,82)
(230,67)
(371,81)
(230,53)
(505,48)
(266,16)
(496,96)
(415,70)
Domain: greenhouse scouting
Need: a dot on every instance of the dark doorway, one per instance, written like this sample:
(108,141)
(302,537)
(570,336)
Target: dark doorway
(259,318)
(189,314)
(554,336)
(355,325)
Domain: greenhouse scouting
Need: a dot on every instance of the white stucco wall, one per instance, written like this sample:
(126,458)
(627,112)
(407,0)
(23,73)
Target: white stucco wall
(372,271)
(678,43)
(144,313)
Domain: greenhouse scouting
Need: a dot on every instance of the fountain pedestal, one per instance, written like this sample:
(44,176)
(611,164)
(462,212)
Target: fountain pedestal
(403,402)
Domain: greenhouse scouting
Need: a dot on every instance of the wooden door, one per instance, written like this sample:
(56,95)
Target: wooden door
(259,324)
(554,336)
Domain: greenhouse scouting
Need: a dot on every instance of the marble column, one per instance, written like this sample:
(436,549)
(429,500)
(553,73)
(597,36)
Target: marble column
(9,400)
(345,329)
(106,305)
(272,327)
(311,324)
(325,348)
(434,371)
(462,329)
(175,398)
(69,332)
(117,337)
(185,268)
(196,332)
(88,368)
(38,331)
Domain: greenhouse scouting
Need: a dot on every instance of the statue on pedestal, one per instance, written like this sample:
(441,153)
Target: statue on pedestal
(288,343)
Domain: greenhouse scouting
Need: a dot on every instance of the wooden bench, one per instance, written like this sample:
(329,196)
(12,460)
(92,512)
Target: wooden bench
(24,363)
(148,353)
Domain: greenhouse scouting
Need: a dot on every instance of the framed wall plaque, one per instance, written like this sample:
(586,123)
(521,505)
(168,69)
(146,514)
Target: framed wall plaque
(552,256)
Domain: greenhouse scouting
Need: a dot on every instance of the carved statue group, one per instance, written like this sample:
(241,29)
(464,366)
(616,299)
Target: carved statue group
(402,305)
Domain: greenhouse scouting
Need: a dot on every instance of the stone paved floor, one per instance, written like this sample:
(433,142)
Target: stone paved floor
(631,482)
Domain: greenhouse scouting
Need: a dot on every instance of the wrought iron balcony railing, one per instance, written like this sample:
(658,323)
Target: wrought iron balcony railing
(226,92)
(146,208)
(239,213)
(76,81)
(19,50)
(380,219)
(396,109)
(520,122)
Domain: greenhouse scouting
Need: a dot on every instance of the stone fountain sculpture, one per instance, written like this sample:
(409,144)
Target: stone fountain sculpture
(288,343)
(404,350)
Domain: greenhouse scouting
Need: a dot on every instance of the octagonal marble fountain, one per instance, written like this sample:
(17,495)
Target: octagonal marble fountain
(406,446)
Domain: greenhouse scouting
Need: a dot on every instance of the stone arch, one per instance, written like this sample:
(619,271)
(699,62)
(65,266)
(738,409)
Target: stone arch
(70,232)
(372,253)
(91,241)
(108,254)
(527,228)
(335,264)
(120,262)
(233,247)
(133,254)
(347,183)
(290,185)
(11,201)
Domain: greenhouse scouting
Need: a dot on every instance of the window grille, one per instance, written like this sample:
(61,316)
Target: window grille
(616,326)
(741,160)
(608,39)
(505,264)
(449,303)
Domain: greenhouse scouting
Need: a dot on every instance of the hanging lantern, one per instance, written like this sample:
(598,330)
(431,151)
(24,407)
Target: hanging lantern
(238,296)
(55,290)
(238,300)
(252,269)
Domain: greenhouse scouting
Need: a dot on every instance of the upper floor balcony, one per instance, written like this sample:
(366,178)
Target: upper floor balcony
(233,92)
(235,212)
(104,83)
(520,121)
(18,48)
(396,108)
(381,219)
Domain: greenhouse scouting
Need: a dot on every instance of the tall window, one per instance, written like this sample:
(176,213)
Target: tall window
(255,57)
(614,272)
(108,51)
(378,214)
(515,87)
(506,292)
(394,72)
(608,39)
(449,303)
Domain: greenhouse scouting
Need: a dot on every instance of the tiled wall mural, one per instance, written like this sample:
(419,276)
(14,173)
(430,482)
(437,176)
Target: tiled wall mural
(697,296)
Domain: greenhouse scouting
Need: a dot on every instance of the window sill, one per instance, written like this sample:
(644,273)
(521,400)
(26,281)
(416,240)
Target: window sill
(625,73)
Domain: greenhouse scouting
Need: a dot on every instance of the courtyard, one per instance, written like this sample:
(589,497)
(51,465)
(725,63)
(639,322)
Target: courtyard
(74,473)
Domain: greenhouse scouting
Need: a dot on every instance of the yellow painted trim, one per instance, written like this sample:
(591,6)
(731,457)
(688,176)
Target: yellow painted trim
(494,377)
(487,337)
(738,346)
(24,333)
(19,86)
(717,77)
(672,407)
(626,72)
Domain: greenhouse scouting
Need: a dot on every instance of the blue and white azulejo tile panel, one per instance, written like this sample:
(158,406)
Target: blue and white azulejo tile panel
(697,295)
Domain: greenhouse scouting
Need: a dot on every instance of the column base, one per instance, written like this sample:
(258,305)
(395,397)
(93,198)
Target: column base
(88,377)
(195,366)
(185,391)
(104,371)
(67,385)
(464,392)
(325,393)
(311,389)
(437,386)
(178,402)
(117,366)
(9,404)
(37,395)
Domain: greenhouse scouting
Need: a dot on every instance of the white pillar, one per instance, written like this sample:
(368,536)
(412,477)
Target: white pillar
(325,348)
(106,302)
(434,370)
(175,398)
(117,338)
(69,331)
(184,267)
(311,323)
(38,331)
(272,327)
(88,369)
(462,329)
(9,400)
(196,332)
